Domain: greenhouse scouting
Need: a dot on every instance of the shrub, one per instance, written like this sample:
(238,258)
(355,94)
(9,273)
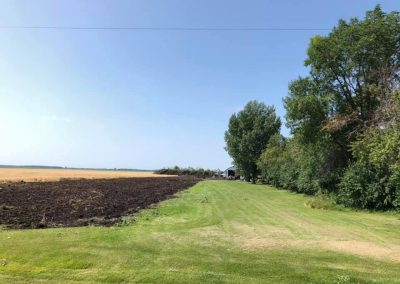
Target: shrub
(322,201)
(365,186)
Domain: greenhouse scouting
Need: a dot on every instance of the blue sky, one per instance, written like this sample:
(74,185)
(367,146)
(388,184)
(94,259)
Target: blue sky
(146,99)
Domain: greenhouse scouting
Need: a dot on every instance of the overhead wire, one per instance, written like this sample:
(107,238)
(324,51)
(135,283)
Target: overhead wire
(133,28)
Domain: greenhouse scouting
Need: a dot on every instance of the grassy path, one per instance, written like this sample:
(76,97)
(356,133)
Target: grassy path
(218,231)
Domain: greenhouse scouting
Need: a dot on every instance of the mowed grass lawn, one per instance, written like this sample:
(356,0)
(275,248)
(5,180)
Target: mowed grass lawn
(215,232)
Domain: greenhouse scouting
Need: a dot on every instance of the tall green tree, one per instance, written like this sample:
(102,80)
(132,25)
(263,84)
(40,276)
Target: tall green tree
(248,134)
(345,117)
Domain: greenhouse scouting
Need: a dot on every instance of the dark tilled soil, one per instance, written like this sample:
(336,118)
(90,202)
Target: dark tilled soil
(71,203)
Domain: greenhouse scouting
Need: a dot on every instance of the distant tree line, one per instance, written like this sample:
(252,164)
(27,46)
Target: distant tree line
(344,119)
(197,172)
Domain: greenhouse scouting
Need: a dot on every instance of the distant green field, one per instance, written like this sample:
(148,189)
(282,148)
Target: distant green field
(216,232)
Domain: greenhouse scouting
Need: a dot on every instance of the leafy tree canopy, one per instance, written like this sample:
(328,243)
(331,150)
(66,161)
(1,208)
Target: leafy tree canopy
(353,70)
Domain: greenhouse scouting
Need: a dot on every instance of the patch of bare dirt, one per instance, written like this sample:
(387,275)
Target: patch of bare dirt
(70,203)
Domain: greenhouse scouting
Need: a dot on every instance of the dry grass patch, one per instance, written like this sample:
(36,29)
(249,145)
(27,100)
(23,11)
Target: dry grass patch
(270,237)
(368,249)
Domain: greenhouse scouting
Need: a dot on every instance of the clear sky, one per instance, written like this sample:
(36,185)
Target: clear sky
(146,99)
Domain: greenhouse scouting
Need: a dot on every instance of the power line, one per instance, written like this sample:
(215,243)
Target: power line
(205,29)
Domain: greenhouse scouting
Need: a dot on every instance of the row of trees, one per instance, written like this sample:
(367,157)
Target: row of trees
(344,118)
(198,172)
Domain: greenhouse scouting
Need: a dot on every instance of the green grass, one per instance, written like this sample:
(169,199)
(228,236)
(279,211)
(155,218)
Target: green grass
(216,232)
